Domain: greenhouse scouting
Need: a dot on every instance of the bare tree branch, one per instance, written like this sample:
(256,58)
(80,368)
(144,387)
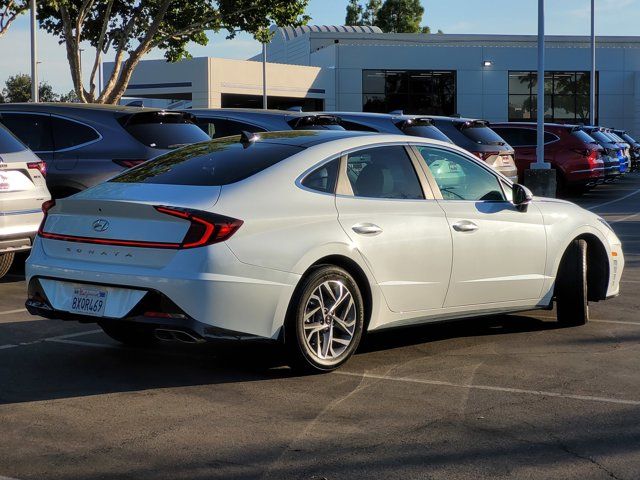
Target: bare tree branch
(9,13)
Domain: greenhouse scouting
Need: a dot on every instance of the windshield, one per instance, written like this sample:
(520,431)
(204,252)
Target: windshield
(212,163)
(481,134)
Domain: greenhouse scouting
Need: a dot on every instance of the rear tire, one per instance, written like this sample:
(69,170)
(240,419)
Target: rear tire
(6,260)
(128,334)
(325,321)
(571,286)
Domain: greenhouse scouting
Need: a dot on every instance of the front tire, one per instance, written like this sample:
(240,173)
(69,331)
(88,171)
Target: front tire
(6,260)
(571,286)
(325,321)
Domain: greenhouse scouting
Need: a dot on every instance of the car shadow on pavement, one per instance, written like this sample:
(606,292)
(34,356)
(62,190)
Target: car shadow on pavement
(92,364)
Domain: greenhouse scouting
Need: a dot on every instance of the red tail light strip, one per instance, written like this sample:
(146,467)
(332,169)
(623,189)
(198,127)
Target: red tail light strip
(205,229)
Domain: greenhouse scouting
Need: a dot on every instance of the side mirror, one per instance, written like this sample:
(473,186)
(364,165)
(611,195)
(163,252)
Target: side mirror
(522,196)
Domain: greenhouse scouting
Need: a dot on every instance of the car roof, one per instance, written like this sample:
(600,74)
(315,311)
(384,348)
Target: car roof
(253,111)
(533,124)
(48,106)
(305,138)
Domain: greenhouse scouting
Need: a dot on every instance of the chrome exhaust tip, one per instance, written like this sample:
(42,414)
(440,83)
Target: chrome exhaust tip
(169,335)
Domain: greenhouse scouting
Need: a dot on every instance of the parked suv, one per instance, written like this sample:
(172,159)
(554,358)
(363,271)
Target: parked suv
(611,154)
(575,156)
(624,154)
(23,190)
(635,148)
(85,144)
(476,137)
(225,122)
(397,123)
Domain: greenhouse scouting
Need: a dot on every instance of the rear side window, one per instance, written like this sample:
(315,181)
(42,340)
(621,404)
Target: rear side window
(222,127)
(481,134)
(9,143)
(323,179)
(218,162)
(69,134)
(34,130)
(383,172)
(163,130)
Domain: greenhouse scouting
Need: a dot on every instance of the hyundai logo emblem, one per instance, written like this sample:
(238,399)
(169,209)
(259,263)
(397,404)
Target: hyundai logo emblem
(100,225)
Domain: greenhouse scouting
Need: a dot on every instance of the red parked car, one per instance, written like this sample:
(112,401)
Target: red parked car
(574,155)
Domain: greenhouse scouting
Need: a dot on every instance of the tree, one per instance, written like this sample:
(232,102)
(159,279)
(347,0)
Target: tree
(9,11)
(370,13)
(354,13)
(70,97)
(131,28)
(400,16)
(18,89)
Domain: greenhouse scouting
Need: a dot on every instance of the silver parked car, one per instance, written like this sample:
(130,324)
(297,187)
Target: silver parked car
(22,191)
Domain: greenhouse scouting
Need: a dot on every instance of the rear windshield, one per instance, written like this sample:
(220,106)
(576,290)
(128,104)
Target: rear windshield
(9,143)
(217,162)
(615,137)
(164,130)
(426,131)
(629,138)
(600,136)
(316,122)
(583,136)
(481,134)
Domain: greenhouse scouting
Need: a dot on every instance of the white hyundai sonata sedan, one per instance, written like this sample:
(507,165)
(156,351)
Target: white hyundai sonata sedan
(311,238)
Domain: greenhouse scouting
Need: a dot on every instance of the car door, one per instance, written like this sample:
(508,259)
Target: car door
(499,252)
(402,233)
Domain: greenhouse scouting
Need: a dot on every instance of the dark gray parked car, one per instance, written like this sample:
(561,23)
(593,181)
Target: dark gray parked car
(476,137)
(224,122)
(397,123)
(86,144)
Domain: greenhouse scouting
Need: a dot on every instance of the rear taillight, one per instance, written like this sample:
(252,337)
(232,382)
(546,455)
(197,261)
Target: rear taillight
(40,166)
(206,228)
(485,155)
(46,206)
(128,163)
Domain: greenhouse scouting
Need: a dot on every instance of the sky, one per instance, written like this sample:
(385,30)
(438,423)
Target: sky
(563,17)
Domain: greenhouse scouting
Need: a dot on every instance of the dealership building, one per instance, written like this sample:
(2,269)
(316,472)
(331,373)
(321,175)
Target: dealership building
(345,68)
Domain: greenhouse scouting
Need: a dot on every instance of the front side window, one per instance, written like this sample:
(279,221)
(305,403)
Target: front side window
(323,178)
(383,172)
(460,178)
(34,130)
(68,134)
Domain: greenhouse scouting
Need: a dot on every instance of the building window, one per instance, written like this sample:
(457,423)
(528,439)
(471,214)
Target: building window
(566,96)
(412,91)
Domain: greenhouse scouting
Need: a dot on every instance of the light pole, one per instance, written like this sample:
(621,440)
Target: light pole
(264,76)
(540,177)
(592,83)
(34,53)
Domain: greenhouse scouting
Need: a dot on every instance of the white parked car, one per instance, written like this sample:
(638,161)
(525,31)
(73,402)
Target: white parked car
(311,238)
(22,191)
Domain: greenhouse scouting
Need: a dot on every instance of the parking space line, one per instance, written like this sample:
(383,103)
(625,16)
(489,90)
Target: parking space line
(490,388)
(9,312)
(614,201)
(49,339)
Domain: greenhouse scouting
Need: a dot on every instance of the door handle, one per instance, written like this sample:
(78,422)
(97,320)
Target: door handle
(370,229)
(465,226)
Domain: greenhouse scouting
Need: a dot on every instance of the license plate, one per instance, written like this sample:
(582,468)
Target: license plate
(89,301)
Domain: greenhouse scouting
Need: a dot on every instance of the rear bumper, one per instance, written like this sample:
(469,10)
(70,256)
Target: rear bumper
(229,295)
(16,242)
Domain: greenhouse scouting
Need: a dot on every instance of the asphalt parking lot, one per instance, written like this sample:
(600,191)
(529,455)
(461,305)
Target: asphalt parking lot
(501,397)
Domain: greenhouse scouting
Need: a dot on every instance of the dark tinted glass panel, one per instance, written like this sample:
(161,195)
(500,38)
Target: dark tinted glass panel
(564,83)
(349,125)
(220,127)
(167,135)
(426,131)
(600,137)
(517,137)
(9,143)
(323,179)
(383,172)
(32,130)
(373,81)
(629,138)
(549,137)
(482,135)
(564,107)
(68,134)
(583,136)
(519,107)
(521,83)
(217,162)
(412,91)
